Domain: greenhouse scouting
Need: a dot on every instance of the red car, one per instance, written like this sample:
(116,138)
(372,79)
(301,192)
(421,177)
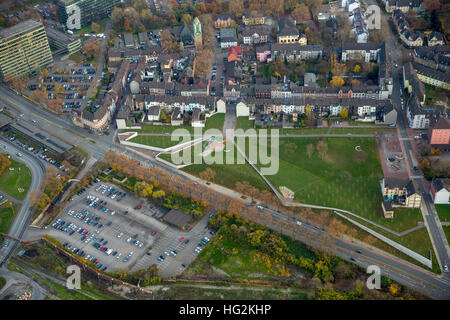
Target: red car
(181,239)
(139,207)
(153,233)
(103,249)
(85,232)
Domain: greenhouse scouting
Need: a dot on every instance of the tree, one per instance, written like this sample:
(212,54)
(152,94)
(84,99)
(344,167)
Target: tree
(4,163)
(158,194)
(39,199)
(208,174)
(95,27)
(337,81)
(203,62)
(301,12)
(394,289)
(344,113)
(186,18)
(143,189)
(16,83)
(236,7)
(431,5)
(168,42)
(357,69)
(55,105)
(91,47)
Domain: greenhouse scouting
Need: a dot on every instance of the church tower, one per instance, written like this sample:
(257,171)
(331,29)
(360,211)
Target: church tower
(197,33)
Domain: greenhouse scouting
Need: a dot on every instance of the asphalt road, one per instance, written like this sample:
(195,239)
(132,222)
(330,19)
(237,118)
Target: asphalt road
(21,221)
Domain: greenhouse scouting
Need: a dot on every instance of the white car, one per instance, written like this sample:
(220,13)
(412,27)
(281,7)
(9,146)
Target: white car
(120,235)
(298,222)
(445,268)
(166,253)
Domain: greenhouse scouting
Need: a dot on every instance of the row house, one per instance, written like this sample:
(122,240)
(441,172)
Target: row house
(419,116)
(369,52)
(431,76)
(192,90)
(251,18)
(295,52)
(358,20)
(231,92)
(410,37)
(436,58)
(412,82)
(254,35)
(223,20)
(402,5)
(263,53)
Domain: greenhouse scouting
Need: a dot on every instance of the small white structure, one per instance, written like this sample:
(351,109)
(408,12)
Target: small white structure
(221,106)
(242,110)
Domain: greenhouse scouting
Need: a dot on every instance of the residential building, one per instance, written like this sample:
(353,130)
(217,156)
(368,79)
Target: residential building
(253,18)
(177,117)
(263,53)
(129,40)
(58,40)
(388,210)
(223,20)
(402,5)
(253,35)
(288,32)
(153,113)
(401,192)
(431,76)
(437,57)
(435,39)
(368,52)
(228,37)
(24,48)
(440,191)
(234,53)
(77,14)
(412,83)
(418,115)
(295,52)
(439,133)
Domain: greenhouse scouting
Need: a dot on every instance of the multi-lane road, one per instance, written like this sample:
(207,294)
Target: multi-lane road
(23,216)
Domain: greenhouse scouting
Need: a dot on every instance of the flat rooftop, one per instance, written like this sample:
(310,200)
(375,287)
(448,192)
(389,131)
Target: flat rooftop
(53,143)
(58,35)
(19,28)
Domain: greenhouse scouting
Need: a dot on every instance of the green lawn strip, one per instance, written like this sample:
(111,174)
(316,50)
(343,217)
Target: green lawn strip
(418,240)
(244,123)
(7,217)
(443,211)
(215,122)
(447,232)
(11,180)
(360,130)
(155,141)
(2,282)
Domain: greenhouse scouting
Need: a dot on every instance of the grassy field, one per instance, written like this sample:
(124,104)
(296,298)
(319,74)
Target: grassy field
(225,174)
(7,218)
(88,29)
(244,123)
(341,177)
(2,282)
(443,211)
(238,260)
(11,180)
(447,232)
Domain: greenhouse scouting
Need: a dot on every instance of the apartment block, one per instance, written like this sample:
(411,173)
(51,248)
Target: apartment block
(24,48)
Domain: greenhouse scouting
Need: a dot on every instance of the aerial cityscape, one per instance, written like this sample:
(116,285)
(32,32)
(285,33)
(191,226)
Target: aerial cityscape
(210,149)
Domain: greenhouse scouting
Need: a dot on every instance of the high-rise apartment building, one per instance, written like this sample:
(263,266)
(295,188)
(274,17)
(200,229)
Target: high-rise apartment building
(24,48)
(77,14)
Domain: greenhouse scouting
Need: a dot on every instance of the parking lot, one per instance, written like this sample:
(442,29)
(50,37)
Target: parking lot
(115,229)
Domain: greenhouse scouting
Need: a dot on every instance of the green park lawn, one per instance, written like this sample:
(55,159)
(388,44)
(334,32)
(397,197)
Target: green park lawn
(344,178)
(447,232)
(225,174)
(244,123)
(443,211)
(7,218)
(12,180)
